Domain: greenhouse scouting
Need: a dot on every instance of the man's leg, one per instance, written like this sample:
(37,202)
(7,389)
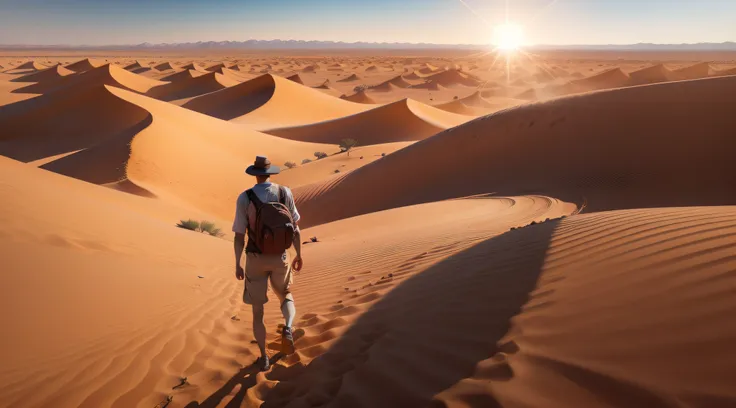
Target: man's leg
(255,294)
(289,311)
(259,328)
(281,283)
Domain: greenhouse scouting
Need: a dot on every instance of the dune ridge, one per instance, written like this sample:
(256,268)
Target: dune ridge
(632,162)
(405,120)
(268,102)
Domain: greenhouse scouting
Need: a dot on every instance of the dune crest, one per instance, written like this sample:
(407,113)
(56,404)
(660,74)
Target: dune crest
(84,65)
(48,74)
(405,120)
(270,101)
(655,122)
(191,87)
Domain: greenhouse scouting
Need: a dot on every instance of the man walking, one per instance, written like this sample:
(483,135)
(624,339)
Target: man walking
(268,215)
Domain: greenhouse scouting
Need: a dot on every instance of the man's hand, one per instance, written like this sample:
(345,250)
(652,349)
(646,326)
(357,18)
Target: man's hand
(239,273)
(297,263)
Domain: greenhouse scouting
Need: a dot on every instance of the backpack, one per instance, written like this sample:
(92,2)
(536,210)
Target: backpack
(274,226)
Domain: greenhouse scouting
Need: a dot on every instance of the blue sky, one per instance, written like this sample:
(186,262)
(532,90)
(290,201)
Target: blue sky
(436,21)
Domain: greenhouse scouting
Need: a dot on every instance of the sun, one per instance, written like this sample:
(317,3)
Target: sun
(508,37)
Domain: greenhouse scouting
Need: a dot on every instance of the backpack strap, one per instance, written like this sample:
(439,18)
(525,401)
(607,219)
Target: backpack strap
(282,195)
(254,198)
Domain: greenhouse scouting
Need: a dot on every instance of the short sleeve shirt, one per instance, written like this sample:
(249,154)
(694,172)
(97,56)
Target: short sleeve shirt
(245,213)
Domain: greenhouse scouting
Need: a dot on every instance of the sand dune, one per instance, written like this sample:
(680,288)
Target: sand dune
(182,75)
(104,75)
(453,78)
(476,105)
(270,101)
(724,72)
(215,68)
(191,87)
(545,290)
(67,121)
(430,85)
(164,66)
(193,66)
(351,78)
(623,305)
(336,165)
(641,155)
(48,74)
(84,238)
(31,65)
(134,66)
(105,135)
(412,76)
(697,71)
(295,78)
(651,75)
(84,65)
(359,97)
(405,120)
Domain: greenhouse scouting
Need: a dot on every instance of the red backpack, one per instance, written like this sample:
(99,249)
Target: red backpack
(274,227)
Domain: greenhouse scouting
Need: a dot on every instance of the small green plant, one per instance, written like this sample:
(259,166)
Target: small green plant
(190,224)
(205,227)
(320,155)
(306,161)
(347,144)
(290,164)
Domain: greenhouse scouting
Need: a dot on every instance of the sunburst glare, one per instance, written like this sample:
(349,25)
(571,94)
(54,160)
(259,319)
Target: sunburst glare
(508,37)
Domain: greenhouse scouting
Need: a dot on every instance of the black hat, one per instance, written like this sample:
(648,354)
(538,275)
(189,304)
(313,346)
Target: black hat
(262,167)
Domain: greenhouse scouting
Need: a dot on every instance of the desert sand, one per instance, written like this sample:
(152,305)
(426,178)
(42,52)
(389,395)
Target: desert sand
(556,234)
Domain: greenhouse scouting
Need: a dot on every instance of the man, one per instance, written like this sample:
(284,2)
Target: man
(261,267)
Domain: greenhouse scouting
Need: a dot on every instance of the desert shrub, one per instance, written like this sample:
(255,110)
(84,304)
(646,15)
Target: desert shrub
(306,161)
(337,171)
(290,164)
(360,88)
(216,232)
(320,155)
(205,227)
(383,154)
(190,224)
(347,144)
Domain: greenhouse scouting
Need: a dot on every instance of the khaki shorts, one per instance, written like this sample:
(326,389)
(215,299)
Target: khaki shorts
(259,269)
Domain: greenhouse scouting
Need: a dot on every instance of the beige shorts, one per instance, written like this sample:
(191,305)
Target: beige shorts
(259,269)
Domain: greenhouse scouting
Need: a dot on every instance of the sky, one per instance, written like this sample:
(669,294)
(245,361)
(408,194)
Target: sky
(112,22)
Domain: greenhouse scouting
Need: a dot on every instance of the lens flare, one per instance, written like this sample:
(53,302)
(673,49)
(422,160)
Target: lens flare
(508,37)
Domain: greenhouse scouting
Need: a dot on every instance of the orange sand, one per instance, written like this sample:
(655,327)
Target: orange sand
(477,248)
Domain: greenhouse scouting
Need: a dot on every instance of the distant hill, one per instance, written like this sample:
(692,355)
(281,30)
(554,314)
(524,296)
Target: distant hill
(301,44)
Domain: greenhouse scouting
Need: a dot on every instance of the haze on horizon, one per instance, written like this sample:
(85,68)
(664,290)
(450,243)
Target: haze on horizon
(553,22)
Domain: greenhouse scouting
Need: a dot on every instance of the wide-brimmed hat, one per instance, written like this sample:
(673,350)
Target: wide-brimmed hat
(262,167)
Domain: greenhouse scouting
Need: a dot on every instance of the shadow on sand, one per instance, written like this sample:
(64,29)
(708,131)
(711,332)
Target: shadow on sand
(422,337)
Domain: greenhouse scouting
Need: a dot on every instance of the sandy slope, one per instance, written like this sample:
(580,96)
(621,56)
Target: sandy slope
(103,299)
(622,148)
(401,121)
(436,301)
(270,101)
(335,165)
(190,87)
(603,310)
(106,74)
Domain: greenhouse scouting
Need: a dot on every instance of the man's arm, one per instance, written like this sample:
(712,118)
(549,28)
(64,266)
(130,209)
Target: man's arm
(297,263)
(239,248)
(240,227)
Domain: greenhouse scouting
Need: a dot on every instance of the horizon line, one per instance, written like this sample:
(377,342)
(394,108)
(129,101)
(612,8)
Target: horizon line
(333,42)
